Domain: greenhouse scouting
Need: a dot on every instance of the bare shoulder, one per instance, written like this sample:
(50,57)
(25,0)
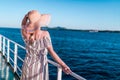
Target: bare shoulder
(46,34)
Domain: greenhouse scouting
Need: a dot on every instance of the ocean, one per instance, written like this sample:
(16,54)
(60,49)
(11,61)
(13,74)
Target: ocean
(93,55)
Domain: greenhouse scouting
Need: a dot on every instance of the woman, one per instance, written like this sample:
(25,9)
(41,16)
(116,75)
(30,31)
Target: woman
(38,43)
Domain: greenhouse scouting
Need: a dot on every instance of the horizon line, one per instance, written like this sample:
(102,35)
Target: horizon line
(65,28)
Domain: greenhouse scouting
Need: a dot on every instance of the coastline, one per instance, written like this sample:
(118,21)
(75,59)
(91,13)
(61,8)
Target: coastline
(63,28)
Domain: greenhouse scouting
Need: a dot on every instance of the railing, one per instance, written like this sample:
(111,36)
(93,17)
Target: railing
(6,49)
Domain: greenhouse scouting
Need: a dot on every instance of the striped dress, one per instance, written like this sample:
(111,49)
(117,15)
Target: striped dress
(35,66)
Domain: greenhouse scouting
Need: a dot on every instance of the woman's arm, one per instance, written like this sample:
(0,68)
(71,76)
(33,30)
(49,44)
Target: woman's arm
(65,68)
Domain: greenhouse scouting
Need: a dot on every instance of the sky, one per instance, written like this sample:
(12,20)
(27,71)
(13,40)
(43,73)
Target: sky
(71,14)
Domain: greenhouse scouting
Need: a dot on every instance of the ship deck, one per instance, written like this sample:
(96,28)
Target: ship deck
(6,72)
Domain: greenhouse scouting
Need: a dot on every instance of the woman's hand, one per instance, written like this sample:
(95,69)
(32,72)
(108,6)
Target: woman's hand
(66,69)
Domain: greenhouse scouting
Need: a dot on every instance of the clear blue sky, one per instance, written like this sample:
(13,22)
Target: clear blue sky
(74,14)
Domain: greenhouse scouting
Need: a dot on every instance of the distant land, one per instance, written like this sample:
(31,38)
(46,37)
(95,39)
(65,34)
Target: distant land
(56,28)
(89,30)
(63,28)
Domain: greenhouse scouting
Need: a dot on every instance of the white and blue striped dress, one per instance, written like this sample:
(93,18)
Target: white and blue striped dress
(35,66)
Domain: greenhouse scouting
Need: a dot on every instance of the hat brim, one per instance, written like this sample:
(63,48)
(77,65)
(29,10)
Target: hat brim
(44,19)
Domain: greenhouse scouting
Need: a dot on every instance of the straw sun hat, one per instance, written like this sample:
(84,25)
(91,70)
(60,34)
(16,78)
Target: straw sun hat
(35,16)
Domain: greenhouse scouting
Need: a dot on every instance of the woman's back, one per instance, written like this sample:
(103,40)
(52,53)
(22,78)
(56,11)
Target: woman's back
(36,58)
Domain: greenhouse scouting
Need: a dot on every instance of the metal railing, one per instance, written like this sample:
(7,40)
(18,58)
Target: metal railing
(6,49)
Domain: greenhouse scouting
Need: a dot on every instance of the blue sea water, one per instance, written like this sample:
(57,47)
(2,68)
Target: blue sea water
(95,56)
